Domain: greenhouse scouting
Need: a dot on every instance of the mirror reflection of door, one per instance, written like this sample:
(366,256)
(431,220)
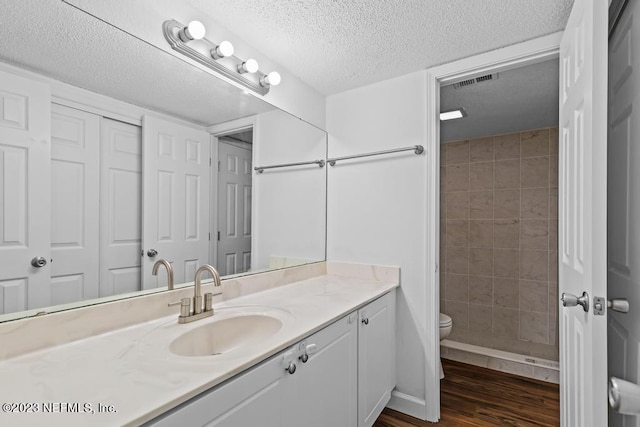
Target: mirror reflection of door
(234,202)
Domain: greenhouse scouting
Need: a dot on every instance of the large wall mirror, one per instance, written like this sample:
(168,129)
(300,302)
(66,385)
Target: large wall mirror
(115,154)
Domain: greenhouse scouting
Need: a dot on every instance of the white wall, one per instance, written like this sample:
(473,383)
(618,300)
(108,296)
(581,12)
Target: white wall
(377,210)
(289,217)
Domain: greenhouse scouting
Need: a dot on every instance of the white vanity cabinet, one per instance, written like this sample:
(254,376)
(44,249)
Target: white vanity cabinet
(340,376)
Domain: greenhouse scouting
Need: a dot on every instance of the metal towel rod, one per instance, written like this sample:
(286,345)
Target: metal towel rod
(261,169)
(418,149)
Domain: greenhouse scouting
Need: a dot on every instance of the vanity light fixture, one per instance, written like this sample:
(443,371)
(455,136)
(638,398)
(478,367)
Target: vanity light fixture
(189,40)
(223,50)
(193,31)
(248,66)
(271,79)
(458,113)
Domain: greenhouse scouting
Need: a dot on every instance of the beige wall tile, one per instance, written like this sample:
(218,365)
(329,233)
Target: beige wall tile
(553,234)
(507,174)
(458,205)
(457,178)
(443,206)
(506,293)
(553,171)
(481,233)
(507,146)
(553,266)
(535,172)
(506,263)
(481,204)
(553,298)
(443,154)
(457,287)
(506,233)
(506,322)
(534,265)
(506,204)
(457,152)
(480,262)
(534,296)
(481,290)
(480,317)
(534,203)
(457,232)
(458,260)
(553,140)
(534,327)
(481,176)
(459,312)
(534,234)
(553,203)
(443,179)
(534,143)
(443,287)
(481,150)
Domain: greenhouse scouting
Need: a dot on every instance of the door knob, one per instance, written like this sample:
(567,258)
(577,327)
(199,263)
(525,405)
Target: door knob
(569,300)
(619,305)
(151,253)
(38,262)
(624,396)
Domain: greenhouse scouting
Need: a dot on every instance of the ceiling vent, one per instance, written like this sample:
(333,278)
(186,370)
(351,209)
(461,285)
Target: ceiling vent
(481,79)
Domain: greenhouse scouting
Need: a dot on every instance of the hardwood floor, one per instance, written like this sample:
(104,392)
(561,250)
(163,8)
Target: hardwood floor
(473,396)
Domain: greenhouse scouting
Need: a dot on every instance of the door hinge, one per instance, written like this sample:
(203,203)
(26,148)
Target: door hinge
(209,236)
(219,166)
(218,236)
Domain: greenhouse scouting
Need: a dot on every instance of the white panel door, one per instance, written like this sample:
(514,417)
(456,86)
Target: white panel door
(234,208)
(176,176)
(582,216)
(25,117)
(75,190)
(624,202)
(121,207)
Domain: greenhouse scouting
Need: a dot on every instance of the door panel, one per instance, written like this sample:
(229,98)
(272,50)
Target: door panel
(176,199)
(582,225)
(234,208)
(75,190)
(25,122)
(624,203)
(121,212)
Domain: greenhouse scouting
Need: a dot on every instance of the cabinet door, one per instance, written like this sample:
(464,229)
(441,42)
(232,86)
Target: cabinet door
(251,399)
(323,391)
(376,358)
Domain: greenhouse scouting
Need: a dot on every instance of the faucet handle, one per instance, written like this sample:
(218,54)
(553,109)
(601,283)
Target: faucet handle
(208,301)
(185,305)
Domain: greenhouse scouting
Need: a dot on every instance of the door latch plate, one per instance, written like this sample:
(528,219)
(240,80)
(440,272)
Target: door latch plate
(599,305)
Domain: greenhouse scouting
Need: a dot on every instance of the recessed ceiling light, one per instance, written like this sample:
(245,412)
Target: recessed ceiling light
(458,113)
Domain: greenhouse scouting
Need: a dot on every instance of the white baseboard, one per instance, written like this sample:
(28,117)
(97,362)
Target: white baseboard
(407,404)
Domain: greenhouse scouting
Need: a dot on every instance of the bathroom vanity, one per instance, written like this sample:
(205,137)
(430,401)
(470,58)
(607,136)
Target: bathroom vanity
(312,345)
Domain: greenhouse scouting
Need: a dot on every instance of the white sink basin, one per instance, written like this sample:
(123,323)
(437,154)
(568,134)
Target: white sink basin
(220,336)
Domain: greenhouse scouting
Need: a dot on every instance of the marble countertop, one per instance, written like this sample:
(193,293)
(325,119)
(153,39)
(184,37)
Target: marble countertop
(129,376)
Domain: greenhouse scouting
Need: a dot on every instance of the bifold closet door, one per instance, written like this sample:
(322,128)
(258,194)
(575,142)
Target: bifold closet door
(25,146)
(121,207)
(176,176)
(75,189)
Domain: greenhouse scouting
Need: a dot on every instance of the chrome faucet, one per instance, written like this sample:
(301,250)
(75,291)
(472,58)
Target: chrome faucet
(186,315)
(169,268)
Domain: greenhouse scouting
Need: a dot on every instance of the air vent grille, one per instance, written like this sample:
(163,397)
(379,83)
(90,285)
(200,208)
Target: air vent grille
(481,79)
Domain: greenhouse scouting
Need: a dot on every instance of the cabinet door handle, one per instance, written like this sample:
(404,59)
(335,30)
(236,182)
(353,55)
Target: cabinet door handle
(291,368)
(365,321)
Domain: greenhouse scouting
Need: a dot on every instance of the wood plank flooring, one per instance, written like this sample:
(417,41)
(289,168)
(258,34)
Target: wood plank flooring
(473,396)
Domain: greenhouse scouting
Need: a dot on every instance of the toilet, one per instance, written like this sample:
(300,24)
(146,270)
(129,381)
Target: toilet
(445,329)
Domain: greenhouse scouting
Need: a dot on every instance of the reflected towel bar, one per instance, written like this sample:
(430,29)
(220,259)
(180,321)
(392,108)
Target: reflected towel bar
(261,169)
(418,149)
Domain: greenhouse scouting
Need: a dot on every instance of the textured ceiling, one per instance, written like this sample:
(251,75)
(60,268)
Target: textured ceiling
(520,99)
(336,45)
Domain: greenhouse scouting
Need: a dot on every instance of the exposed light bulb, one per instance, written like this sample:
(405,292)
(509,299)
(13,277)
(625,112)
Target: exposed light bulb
(271,79)
(248,66)
(222,50)
(193,31)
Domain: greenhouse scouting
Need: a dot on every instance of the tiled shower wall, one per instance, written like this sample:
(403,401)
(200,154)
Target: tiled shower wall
(499,245)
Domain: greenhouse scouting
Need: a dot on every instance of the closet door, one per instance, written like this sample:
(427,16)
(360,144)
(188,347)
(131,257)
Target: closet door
(176,199)
(75,169)
(121,207)
(25,146)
